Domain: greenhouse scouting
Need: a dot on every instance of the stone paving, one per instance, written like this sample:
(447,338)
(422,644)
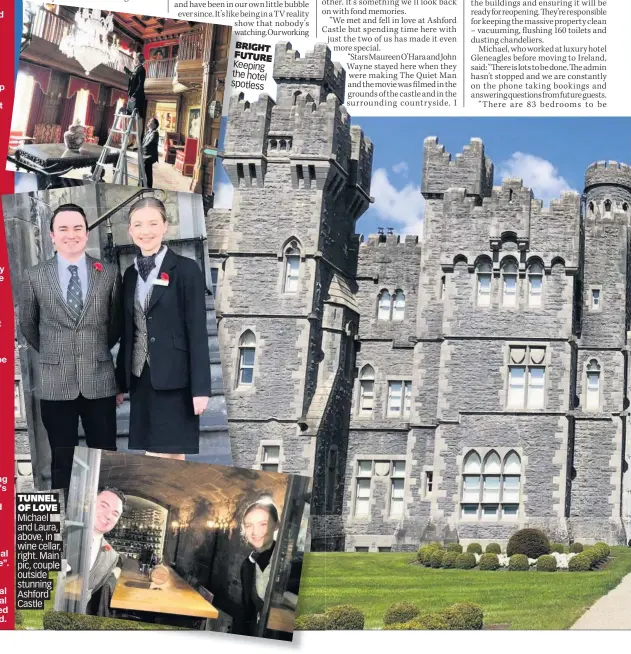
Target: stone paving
(613,611)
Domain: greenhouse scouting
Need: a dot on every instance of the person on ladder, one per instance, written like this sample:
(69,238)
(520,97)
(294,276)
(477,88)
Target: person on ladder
(150,149)
(136,89)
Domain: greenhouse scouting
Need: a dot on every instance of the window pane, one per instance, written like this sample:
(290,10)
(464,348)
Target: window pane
(510,510)
(491,489)
(595,297)
(593,390)
(398,468)
(484,289)
(471,488)
(367,395)
(368,372)
(246,375)
(512,465)
(511,489)
(536,383)
(492,463)
(516,377)
(490,511)
(362,505)
(397,488)
(364,467)
(470,510)
(269,467)
(271,453)
(407,397)
(384,549)
(384,306)
(472,463)
(247,356)
(510,290)
(535,291)
(362,549)
(394,397)
(363,488)
(214,276)
(292,274)
(398,312)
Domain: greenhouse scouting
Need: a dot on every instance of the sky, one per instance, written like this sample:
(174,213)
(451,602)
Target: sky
(549,154)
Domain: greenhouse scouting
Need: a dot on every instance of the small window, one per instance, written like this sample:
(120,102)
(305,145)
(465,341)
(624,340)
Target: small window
(366,390)
(292,267)
(509,284)
(362,502)
(271,458)
(607,206)
(595,299)
(384,549)
(396,497)
(484,284)
(399,398)
(592,402)
(385,303)
(247,351)
(362,549)
(17,399)
(535,283)
(214,277)
(429,482)
(442,287)
(398,308)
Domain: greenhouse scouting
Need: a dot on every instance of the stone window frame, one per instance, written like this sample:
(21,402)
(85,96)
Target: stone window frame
(359,413)
(237,385)
(535,261)
(374,458)
(406,382)
(371,541)
(214,284)
(509,345)
(20,414)
(586,364)
(427,494)
(331,470)
(509,259)
(590,298)
(291,243)
(480,261)
(260,454)
(397,292)
(378,312)
(484,453)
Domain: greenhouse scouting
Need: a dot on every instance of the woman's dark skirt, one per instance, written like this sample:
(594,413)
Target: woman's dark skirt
(162,421)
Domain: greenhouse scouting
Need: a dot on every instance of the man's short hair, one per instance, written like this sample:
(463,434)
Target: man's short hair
(155,120)
(69,207)
(117,492)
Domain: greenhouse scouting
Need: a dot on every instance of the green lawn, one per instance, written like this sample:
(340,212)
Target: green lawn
(517,600)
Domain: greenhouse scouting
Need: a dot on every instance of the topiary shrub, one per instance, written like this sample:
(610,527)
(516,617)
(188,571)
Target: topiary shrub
(594,555)
(493,548)
(449,560)
(62,621)
(518,563)
(531,542)
(559,548)
(474,548)
(580,563)
(344,617)
(465,561)
(311,622)
(546,563)
(436,559)
(454,547)
(605,548)
(400,613)
(576,548)
(425,553)
(464,616)
(422,622)
(489,561)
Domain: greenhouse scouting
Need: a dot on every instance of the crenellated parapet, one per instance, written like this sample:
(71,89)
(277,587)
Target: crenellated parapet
(470,170)
(609,173)
(315,74)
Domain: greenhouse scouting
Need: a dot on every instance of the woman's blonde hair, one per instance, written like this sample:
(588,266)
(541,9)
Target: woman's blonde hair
(149,202)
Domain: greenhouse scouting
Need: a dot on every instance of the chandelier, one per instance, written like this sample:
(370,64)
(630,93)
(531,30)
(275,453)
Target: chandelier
(88,42)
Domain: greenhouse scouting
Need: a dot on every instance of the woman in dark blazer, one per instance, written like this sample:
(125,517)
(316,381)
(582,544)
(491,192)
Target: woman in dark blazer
(163,360)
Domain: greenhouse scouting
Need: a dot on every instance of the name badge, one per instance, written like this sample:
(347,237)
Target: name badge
(160,282)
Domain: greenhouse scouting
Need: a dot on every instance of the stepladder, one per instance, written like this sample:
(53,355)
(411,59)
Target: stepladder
(128,127)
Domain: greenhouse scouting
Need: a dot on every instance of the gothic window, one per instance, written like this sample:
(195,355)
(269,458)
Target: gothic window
(592,394)
(271,458)
(399,398)
(526,377)
(398,305)
(247,351)
(429,483)
(509,284)
(591,208)
(292,266)
(607,206)
(625,207)
(535,283)
(483,274)
(385,303)
(490,489)
(366,390)
(214,278)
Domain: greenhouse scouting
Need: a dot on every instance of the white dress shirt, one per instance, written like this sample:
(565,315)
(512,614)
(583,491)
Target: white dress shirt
(97,540)
(143,287)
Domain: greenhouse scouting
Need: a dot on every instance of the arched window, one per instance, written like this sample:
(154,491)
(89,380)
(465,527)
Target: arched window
(625,206)
(491,490)
(483,273)
(247,351)
(292,267)
(591,208)
(385,305)
(535,282)
(398,305)
(366,390)
(592,395)
(297,94)
(509,284)
(607,206)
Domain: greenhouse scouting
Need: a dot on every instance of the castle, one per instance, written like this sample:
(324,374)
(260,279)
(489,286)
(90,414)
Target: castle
(457,388)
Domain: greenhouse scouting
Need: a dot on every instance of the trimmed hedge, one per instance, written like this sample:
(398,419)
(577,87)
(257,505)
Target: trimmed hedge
(436,559)
(559,548)
(606,549)
(493,548)
(311,622)
(62,621)
(474,548)
(489,562)
(423,622)
(424,554)
(19,618)
(576,548)
(546,563)
(344,617)
(531,542)
(449,560)
(580,563)
(465,561)
(400,612)
(518,563)
(454,547)
(464,616)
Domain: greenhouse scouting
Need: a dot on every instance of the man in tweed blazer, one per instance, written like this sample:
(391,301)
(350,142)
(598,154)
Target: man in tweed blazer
(70,313)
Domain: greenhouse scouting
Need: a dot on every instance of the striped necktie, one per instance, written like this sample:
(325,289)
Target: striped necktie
(74,296)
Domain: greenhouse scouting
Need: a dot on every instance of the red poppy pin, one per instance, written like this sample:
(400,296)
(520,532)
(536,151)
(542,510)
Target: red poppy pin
(164,277)
(107,548)
(98,266)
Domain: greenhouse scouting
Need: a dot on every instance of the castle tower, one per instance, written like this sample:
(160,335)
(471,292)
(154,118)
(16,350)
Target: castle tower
(286,260)
(599,497)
